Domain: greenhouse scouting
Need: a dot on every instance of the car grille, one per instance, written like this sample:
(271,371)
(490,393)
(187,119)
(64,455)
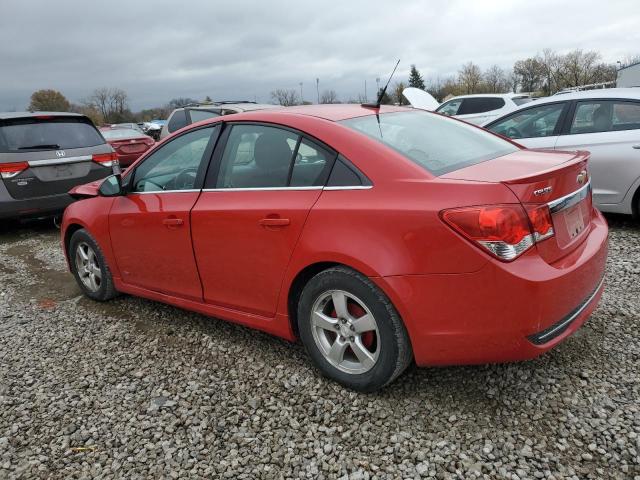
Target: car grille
(558,328)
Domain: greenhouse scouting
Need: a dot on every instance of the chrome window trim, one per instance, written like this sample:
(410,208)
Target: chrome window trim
(165,191)
(572,317)
(571,199)
(59,161)
(353,187)
(257,189)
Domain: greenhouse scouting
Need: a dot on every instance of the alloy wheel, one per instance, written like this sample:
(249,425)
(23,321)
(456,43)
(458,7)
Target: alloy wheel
(345,331)
(88,267)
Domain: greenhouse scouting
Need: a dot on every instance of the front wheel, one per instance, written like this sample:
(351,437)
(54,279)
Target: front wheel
(89,267)
(351,331)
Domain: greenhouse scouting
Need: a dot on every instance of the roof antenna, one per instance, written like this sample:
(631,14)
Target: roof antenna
(383,91)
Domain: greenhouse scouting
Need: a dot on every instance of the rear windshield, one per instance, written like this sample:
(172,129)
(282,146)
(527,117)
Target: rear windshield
(119,133)
(438,144)
(32,134)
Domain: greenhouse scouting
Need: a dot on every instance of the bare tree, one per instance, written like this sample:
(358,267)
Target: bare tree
(530,73)
(469,77)
(495,80)
(111,103)
(329,96)
(286,98)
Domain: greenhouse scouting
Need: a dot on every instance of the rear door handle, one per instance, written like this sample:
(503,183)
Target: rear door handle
(275,222)
(173,222)
(637,147)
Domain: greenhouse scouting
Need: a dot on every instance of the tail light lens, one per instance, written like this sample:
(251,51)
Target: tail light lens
(505,231)
(8,170)
(106,159)
(541,224)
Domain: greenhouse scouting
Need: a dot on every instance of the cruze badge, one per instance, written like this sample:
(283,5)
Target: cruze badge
(60,153)
(543,191)
(582,177)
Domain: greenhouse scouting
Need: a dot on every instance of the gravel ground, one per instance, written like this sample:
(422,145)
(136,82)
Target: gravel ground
(135,389)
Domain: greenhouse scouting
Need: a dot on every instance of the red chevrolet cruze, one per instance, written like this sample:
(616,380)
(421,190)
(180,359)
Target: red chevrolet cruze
(376,236)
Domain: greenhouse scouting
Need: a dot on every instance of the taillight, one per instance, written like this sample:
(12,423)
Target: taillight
(505,231)
(8,170)
(541,224)
(105,159)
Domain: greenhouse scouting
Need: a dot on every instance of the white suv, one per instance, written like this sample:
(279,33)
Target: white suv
(481,108)
(188,114)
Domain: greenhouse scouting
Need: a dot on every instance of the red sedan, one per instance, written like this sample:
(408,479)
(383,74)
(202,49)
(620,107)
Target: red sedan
(376,236)
(128,143)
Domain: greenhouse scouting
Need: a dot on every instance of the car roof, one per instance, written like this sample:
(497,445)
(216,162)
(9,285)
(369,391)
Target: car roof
(492,95)
(633,93)
(11,115)
(239,106)
(340,111)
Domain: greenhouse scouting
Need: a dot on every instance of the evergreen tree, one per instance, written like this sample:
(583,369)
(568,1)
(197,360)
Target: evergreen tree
(415,79)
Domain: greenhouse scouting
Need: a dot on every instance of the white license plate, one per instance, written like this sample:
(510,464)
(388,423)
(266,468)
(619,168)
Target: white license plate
(574,220)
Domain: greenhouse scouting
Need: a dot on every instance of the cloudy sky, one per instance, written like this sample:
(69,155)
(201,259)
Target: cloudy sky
(157,50)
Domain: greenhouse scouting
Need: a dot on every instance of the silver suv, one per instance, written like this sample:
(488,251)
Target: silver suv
(42,156)
(188,114)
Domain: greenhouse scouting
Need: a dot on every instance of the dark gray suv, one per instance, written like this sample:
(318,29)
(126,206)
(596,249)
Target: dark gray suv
(42,156)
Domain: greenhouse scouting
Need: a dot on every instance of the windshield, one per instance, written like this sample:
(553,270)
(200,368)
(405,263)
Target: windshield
(120,133)
(24,134)
(438,144)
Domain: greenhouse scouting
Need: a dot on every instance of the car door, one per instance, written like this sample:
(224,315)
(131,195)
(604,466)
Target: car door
(610,130)
(150,226)
(534,127)
(258,193)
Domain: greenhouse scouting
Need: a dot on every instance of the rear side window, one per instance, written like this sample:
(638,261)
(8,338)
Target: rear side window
(346,175)
(311,165)
(480,105)
(62,133)
(177,121)
(198,115)
(605,116)
(439,145)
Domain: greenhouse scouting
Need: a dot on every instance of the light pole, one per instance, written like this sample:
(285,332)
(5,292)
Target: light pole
(377,86)
(301,97)
(318,89)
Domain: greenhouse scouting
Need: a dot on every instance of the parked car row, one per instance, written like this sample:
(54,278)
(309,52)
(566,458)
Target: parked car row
(378,236)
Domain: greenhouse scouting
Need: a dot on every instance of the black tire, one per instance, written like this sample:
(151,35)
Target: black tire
(106,290)
(394,354)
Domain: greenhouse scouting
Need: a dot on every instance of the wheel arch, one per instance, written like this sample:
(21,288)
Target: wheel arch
(68,233)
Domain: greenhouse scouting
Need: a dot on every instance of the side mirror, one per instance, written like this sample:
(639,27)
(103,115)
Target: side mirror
(111,186)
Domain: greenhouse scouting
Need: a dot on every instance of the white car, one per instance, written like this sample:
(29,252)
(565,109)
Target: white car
(605,122)
(481,108)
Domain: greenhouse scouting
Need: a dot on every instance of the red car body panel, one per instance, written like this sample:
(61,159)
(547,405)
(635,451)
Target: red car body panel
(239,258)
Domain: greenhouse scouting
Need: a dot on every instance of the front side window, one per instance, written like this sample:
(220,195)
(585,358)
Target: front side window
(437,144)
(449,108)
(533,122)
(480,105)
(175,165)
(605,116)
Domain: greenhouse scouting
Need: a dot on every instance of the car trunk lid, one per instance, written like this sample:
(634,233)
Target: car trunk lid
(559,180)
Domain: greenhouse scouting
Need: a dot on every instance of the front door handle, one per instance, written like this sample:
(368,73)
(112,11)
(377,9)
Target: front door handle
(275,222)
(637,147)
(173,222)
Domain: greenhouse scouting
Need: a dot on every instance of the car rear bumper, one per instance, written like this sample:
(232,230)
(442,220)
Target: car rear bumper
(32,207)
(505,311)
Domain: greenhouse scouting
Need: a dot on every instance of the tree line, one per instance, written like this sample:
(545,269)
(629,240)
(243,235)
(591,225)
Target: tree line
(542,74)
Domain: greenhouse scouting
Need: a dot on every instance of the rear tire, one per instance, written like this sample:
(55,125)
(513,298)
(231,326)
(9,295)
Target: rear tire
(351,330)
(90,268)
